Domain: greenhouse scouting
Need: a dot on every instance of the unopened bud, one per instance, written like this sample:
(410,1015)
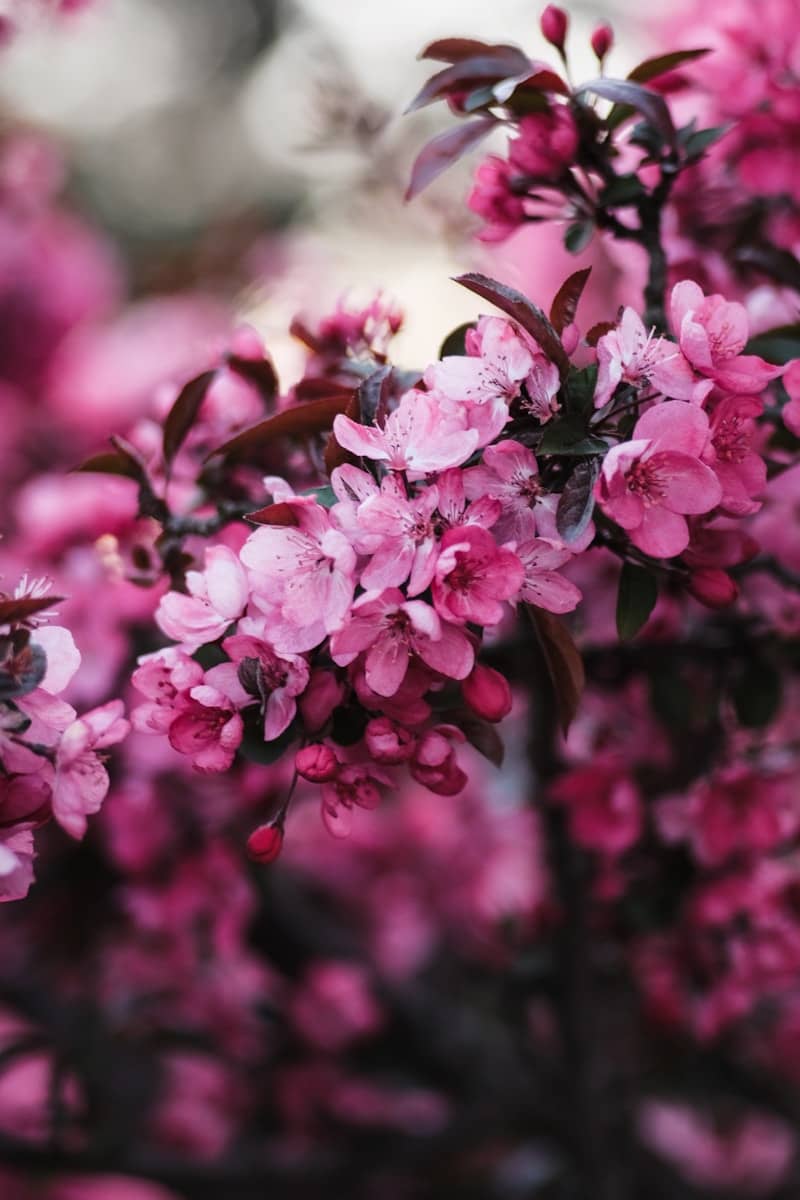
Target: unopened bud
(554,22)
(602,40)
(389,742)
(487,693)
(265,843)
(712,587)
(317,763)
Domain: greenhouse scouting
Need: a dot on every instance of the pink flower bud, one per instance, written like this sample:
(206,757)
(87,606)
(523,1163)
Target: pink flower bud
(487,693)
(713,587)
(388,742)
(265,843)
(570,337)
(554,23)
(246,343)
(602,39)
(323,694)
(317,764)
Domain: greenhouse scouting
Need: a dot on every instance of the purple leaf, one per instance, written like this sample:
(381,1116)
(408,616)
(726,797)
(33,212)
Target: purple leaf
(445,149)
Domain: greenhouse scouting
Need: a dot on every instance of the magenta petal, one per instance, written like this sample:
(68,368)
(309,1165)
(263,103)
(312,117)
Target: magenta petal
(662,534)
(386,665)
(688,486)
(674,425)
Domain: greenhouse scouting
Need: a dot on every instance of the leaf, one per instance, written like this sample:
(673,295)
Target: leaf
(632,95)
(523,311)
(697,142)
(569,436)
(482,735)
(636,599)
(373,396)
(258,371)
(757,693)
(115,462)
(301,420)
(576,505)
(273,514)
(507,63)
(578,392)
(651,68)
(23,672)
(565,303)
(564,663)
(452,50)
(183,413)
(780,265)
(578,236)
(454,345)
(19,608)
(623,190)
(778,345)
(444,150)
(599,330)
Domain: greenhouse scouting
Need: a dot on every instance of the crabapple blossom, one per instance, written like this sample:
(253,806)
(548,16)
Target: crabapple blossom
(474,576)
(629,354)
(417,437)
(217,596)
(712,332)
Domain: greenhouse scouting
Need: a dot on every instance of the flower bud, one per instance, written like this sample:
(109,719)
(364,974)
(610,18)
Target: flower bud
(553,24)
(712,587)
(602,39)
(265,843)
(323,694)
(388,742)
(317,763)
(487,693)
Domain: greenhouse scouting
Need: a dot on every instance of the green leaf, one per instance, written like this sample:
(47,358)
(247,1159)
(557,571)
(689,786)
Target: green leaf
(779,345)
(455,342)
(22,672)
(757,693)
(625,189)
(697,142)
(579,391)
(636,599)
(576,504)
(578,236)
(569,436)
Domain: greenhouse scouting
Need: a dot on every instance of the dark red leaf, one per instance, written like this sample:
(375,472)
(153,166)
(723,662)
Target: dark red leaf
(453,50)
(322,389)
(301,420)
(522,310)
(183,413)
(273,514)
(258,371)
(565,304)
(336,455)
(480,68)
(445,149)
(632,95)
(599,330)
(564,663)
(20,608)
(651,68)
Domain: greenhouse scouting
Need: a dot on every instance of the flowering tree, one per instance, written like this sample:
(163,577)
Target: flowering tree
(354,593)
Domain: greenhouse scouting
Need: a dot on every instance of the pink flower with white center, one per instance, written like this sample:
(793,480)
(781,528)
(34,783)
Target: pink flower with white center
(217,597)
(474,576)
(208,729)
(391,629)
(629,354)
(63,657)
(483,383)
(509,474)
(304,573)
(406,533)
(650,484)
(273,678)
(163,677)
(81,780)
(542,585)
(353,786)
(712,333)
(740,471)
(421,435)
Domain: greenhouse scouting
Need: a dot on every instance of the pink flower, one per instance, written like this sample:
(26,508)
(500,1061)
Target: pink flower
(629,354)
(16,863)
(454,512)
(649,484)
(353,786)
(605,809)
(546,145)
(217,597)
(712,332)
(163,678)
(418,437)
(81,780)
(740,471)
(542,585)
(392,629)
(434,763)
(791,410)
(405,533)
(304,573)
(208,728)
(493,199)
(473,576)
(487,692)
(272,678)
(63,657)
